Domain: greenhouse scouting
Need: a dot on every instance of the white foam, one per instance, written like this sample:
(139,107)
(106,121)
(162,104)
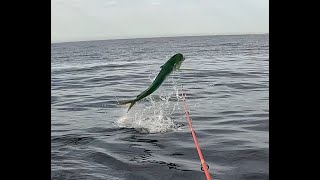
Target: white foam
(154,115)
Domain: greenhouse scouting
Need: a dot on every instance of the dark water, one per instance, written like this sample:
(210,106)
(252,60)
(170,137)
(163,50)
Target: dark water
(226,79)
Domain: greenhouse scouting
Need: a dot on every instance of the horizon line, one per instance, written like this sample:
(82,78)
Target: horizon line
(110,39)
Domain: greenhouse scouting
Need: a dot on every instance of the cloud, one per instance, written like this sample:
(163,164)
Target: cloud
(155,3)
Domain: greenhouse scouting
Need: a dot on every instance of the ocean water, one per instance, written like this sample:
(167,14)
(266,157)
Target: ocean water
(226,79)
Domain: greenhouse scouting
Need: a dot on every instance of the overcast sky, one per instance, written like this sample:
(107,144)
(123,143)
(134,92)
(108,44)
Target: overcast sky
(78,20)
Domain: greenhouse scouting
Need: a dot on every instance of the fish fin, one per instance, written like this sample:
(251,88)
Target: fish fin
(132,102)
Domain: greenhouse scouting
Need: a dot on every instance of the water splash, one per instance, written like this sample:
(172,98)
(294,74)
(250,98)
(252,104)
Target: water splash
(153,115)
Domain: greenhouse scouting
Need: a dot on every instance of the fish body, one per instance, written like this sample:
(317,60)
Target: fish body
(171,65)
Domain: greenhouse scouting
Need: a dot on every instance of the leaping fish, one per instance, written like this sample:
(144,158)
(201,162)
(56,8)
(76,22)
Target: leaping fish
(171,65)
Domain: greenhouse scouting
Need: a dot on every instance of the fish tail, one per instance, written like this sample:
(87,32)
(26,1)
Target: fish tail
(132,102)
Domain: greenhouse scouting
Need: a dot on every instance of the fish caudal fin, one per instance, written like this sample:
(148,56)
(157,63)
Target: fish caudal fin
(132,102)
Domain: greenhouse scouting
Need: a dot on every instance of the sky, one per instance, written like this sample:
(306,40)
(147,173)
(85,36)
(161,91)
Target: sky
(82,20)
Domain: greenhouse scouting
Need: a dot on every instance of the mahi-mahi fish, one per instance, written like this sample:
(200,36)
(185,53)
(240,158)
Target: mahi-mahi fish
(171,65)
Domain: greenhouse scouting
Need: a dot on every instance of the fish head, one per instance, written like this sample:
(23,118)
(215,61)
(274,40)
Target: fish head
(178,59)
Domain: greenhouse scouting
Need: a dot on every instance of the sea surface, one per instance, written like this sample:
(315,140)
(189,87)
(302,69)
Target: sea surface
(225,77)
